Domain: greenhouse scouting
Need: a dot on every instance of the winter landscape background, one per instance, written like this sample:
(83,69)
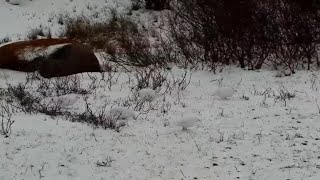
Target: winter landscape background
(103,126)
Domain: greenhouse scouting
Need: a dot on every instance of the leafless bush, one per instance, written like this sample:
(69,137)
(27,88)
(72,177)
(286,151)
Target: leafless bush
(184,81)
(168,51)
(250,33)
(34,33)
(261,93)
(106,163)
(99,118)
(120,37)
(145,106)
(298,39)
(285,95)
(61,86)
(193,28)
(6,112)
(43,97)
(314,82)
(163,81)
(135,102)
(30,102)
(157,5)
(165,108)
(26,100)
(82,28)
(150,77)
(137,4)
(219,81)
(106,78)
(69,85)
(52,108)
(130,46)
(5,40)
(34,95)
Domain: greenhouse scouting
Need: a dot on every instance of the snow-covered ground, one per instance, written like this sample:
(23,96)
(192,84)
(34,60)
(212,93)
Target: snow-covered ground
(252,135)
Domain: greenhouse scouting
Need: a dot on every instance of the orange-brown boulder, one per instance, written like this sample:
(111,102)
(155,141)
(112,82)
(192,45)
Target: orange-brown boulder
(51,57)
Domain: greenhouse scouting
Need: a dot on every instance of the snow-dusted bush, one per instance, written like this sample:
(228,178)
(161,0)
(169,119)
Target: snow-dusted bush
(284,95)
(38,33)
(101,117)
(147,95)
(151,77)
(120,37)
(30,101)
(143,100)
(61,86)
(26,100)
(5,40)
(6,112)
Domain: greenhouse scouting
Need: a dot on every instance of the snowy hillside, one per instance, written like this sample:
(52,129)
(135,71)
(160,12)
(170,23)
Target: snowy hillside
(18,20)
(267,129)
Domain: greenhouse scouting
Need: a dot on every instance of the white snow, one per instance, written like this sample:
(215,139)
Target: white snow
(239,136)
(260,137)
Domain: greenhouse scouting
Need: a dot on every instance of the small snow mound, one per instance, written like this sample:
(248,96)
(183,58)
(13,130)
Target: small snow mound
(122,113)
(147,95)
(224,92)
(187,122)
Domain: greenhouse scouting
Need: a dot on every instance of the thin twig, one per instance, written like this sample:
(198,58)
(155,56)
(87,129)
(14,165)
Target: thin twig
(182,173)
(318,106)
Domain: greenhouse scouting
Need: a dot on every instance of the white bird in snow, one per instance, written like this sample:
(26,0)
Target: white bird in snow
(224,92)
(122,113)
(62,101)
(187,122)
